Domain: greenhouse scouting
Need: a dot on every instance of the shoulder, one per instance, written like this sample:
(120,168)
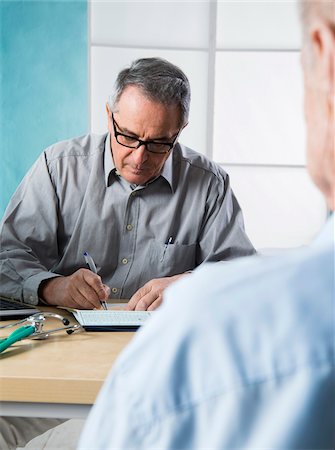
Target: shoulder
(283,306)
(78,147)
(196,162)
(262,317)
(300,270)
(250,324)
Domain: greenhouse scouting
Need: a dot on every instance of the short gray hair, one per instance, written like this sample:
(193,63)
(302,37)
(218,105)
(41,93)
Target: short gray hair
(159,80)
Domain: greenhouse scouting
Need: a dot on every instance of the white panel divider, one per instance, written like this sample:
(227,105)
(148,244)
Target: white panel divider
(281,206)
(258,25)
(259,108)
(165,24)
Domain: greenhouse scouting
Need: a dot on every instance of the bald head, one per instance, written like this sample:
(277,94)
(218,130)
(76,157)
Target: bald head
(324,9)
(318,58)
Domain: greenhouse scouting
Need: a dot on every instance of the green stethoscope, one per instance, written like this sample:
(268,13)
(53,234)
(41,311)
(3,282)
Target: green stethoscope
(34,329)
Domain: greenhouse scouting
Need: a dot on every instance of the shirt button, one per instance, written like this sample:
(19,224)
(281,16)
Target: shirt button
(124,261)
(114,290)
(129,227)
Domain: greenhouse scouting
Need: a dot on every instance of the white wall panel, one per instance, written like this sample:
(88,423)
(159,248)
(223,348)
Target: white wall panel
(258,115)
(150,23)
(106,62)
(257,24)
(281,207)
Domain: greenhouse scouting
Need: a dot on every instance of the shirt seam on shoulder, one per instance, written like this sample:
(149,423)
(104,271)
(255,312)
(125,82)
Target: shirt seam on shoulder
(196,166)
(59,157)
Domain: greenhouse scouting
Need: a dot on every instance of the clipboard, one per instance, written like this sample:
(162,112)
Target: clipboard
(111,320)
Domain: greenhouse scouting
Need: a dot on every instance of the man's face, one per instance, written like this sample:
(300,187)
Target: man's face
(137,116)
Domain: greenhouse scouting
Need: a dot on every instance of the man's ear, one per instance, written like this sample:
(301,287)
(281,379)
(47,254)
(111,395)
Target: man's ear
(108,111)
(323,44)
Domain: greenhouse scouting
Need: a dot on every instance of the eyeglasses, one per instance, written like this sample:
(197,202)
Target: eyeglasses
(134,142)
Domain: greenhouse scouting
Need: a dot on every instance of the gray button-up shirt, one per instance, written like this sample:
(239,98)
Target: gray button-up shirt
(72,200)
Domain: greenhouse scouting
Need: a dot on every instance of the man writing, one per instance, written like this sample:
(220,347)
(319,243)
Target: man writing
(146,208)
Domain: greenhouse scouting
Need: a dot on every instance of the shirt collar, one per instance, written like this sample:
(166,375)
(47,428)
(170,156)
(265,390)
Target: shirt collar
(109,166)
(108,160)
(326,234)
(167,171)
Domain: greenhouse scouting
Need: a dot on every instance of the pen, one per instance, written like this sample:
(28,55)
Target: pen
(91,265)
(168,242)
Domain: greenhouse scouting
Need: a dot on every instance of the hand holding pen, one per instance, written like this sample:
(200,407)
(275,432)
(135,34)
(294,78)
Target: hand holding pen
(91,265)
(81,290)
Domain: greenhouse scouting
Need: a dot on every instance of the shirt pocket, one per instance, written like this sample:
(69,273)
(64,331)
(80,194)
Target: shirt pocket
(171,259)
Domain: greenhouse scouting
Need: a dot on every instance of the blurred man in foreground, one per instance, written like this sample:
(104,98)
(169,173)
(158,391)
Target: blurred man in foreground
(251,363)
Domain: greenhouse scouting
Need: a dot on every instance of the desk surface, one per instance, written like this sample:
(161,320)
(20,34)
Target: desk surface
(63,369)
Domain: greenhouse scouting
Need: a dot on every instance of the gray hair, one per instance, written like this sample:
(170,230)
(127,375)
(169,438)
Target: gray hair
(159,80)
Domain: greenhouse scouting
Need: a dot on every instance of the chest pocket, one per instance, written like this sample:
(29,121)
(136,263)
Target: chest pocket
(167,260)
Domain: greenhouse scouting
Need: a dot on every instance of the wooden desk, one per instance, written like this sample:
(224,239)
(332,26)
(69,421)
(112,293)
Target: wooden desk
(57,377)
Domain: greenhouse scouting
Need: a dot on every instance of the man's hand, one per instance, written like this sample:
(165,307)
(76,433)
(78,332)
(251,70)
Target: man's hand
(81,290)
(150,296)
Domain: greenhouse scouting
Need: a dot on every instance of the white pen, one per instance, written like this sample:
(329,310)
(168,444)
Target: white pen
(91,265)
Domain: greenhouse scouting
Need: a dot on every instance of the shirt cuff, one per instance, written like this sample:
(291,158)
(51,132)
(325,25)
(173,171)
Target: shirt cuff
(31,285)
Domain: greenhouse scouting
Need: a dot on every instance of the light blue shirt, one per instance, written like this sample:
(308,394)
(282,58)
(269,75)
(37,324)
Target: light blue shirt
(240,356)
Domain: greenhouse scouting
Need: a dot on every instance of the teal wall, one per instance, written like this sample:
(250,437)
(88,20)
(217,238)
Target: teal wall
(43,82)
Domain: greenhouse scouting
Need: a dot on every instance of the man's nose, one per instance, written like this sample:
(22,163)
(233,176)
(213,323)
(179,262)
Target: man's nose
(140,155)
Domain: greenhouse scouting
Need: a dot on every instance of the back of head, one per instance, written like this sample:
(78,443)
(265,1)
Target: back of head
(318,58)
(159,80)
(310,10)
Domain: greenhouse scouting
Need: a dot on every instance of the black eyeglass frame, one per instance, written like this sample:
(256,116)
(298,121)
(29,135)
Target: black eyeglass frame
(140,142)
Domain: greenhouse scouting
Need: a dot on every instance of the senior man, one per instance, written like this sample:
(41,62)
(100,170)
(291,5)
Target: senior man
(146,208)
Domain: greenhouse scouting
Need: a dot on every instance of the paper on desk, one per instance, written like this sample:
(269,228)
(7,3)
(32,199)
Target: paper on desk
(111,318)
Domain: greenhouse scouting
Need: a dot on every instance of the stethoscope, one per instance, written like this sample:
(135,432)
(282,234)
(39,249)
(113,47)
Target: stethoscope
(34,328)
